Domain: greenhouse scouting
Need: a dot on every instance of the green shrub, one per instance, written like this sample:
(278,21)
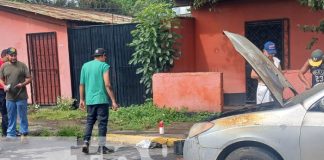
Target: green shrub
(147,115)
(33,108)
(154,41)
(64,103)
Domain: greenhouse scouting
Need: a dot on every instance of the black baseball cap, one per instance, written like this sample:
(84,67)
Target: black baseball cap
(99,52)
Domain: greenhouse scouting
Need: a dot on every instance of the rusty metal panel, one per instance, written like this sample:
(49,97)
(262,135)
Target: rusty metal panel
(44,68)
(268,72)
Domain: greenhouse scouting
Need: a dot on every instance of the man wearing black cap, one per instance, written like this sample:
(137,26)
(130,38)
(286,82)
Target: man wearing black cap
(14,76)
(316,66)
(95,85)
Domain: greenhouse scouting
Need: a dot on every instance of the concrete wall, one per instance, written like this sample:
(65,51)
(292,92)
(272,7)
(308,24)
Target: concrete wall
(186,62)
(13,30)
(202,91)
(194,91)
(213,51)
(292,77)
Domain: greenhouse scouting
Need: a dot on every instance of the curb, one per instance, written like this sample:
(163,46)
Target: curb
(134,139)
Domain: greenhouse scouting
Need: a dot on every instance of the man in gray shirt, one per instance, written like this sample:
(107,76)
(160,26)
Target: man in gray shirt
(14,76)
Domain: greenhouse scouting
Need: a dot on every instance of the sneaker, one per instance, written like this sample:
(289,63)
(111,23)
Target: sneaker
(11,138)
(104,150)
(85,147)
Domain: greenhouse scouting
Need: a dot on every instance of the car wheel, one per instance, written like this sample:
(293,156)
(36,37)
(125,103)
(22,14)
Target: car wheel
(251,153)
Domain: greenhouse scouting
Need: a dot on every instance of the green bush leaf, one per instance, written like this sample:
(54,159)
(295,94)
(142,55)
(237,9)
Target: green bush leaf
(154,41)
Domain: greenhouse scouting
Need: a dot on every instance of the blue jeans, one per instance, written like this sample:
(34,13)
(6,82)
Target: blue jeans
(96,112)
(12,108)
(3,110)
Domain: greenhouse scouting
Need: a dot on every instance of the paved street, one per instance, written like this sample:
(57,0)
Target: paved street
(54,148)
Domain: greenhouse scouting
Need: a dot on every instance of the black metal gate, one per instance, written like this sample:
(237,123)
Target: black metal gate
(114,38)
(258,32)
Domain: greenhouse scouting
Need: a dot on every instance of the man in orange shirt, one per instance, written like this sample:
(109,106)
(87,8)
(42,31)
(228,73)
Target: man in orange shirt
(3,108)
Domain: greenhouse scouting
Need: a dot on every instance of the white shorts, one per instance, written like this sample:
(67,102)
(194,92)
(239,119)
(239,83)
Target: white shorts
(263,94)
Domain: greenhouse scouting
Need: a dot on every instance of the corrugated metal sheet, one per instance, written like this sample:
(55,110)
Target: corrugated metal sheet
(114,38)
(67,14)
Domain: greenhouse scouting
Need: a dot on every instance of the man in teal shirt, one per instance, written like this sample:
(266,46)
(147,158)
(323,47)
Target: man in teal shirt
(95,85)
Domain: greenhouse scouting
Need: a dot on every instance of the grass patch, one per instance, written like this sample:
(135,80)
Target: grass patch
(66,131)
(70,131)
(54,114)
(135,117)
(42,133)
(145,116)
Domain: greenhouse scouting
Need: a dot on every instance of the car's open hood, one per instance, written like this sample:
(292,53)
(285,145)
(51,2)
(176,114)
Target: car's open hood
(268,72)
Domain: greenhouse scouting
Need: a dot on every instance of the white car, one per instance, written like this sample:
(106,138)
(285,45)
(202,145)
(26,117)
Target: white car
(282,130)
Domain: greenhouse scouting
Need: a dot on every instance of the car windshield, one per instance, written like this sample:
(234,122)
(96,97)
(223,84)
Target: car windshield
(303,96)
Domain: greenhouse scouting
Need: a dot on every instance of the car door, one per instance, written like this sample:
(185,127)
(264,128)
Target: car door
(312,132)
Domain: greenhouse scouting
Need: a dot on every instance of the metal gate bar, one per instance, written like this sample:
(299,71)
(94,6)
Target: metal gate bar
(258,32)
(43,63)
(114,38)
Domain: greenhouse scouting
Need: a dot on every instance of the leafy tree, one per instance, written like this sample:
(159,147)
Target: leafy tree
(316,5)
(154,42)
(126,7)
(34,1)
(200,3)
(99,5)
(61,3)
(66,3)
(132,7)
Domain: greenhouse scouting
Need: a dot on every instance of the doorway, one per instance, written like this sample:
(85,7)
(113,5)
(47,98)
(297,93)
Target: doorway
(44,67)
(259,32)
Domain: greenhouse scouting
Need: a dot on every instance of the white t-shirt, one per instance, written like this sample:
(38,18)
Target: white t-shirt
(276,62)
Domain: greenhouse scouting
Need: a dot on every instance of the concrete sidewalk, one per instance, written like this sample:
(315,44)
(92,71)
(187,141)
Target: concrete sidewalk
(174,132)
(134,139)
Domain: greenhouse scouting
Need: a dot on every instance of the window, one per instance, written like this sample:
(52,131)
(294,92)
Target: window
(318,106)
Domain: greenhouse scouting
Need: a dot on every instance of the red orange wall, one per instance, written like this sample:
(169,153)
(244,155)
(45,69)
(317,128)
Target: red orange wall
(186,62)
(13,30)
(292,77)
(193,91)
(213,51)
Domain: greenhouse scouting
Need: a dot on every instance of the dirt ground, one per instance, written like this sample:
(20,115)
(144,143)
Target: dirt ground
(35,126)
